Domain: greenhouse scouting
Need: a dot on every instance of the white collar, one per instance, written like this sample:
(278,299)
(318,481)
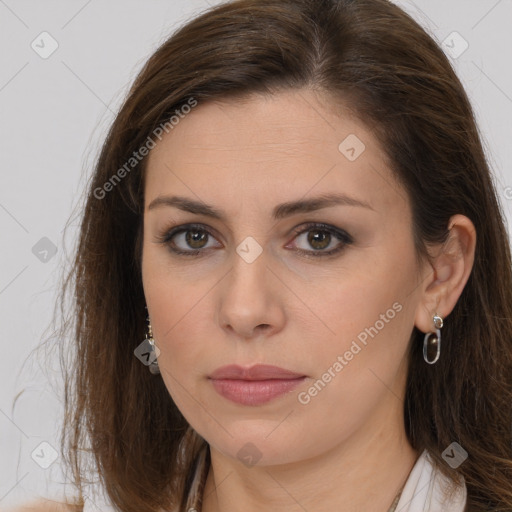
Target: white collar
(426,490)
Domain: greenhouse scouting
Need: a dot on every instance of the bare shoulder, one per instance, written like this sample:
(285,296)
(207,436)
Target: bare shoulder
(46,505)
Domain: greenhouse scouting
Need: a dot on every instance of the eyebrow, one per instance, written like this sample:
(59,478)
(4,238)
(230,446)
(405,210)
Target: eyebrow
(279,212)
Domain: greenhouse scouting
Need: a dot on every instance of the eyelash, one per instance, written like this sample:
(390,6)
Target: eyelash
(342,236)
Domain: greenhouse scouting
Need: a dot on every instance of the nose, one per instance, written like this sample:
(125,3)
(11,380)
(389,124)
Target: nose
(250,302)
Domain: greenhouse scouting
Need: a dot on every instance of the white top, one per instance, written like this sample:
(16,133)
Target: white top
(426,488)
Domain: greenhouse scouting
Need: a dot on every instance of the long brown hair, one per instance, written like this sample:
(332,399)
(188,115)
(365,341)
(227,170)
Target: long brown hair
(402,86)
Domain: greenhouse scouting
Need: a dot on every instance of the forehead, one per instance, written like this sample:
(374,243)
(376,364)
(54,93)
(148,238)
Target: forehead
(267,146)
(270,124)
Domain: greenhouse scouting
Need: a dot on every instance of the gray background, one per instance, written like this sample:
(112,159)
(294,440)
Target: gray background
(54,114)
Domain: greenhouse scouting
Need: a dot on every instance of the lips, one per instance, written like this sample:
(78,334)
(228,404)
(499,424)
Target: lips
(256,385)
(257,372)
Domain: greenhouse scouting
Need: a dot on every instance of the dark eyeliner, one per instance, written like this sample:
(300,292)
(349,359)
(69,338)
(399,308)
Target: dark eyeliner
(339,234)
(166,238)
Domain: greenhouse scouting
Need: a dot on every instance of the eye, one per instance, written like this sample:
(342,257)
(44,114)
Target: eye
(188,240)
(316,239)
(320,240)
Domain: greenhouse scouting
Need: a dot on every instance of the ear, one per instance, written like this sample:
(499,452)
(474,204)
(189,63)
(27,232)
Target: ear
(447,274)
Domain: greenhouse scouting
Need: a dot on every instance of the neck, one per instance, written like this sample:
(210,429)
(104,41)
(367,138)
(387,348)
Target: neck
(364,472)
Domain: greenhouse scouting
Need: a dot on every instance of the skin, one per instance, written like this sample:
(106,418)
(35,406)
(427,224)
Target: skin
(346,449)
(45,505)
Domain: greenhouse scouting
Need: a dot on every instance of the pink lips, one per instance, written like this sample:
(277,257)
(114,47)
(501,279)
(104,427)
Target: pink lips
(255,385)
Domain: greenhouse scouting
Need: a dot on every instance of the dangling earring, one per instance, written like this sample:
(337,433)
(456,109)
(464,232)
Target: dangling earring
(432,341)
(147,352)
(154,350)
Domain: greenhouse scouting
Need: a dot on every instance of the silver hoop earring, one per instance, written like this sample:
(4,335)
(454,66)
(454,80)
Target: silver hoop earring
(432,341)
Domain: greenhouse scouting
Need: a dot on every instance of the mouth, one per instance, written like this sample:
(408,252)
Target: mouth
(256,385)
(256,372)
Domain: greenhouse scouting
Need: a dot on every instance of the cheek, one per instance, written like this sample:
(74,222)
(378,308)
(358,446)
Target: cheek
(174,312)
(174,316)
(171,289)
(177,304)
(362,365)
(371,330)
(370,314)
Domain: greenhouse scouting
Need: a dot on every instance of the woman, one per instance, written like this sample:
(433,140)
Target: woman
(292,224)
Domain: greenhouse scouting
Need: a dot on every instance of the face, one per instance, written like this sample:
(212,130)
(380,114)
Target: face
(275,234)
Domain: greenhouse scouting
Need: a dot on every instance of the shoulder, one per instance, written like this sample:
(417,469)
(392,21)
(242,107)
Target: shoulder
(46,505)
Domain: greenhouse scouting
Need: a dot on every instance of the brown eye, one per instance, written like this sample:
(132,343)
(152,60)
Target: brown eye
(319,239)
(196,239)
(189,240)
(315,240)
